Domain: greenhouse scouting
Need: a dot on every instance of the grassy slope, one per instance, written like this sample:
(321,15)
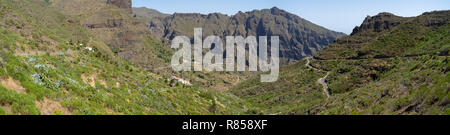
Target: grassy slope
(40,50)
(392,72)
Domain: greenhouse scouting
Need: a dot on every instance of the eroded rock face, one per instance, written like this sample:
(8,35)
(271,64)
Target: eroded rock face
(123,4)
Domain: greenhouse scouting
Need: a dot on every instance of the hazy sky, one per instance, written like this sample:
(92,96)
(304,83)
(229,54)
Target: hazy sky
(338,15)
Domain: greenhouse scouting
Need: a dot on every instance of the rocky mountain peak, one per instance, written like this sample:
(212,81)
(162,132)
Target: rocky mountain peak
(275,10)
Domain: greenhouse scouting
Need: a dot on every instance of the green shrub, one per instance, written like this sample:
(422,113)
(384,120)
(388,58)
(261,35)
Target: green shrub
(20,103)
(34,89)
(25,109)
(3,73)
(2,111)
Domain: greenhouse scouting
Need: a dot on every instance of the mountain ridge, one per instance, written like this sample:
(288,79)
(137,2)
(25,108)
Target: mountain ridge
(299,38)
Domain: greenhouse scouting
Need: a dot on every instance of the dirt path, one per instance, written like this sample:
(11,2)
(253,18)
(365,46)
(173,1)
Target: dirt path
(322,81)
(12,84)
(308,63)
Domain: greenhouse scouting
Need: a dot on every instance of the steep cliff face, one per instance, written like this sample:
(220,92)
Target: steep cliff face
(299,38)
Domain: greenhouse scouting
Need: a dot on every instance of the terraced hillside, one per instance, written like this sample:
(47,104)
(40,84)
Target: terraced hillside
(389,65)
(50,63)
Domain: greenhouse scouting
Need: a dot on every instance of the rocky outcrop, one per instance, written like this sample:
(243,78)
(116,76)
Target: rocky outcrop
(433,19)
(299,38)
(379,23)
(386,21)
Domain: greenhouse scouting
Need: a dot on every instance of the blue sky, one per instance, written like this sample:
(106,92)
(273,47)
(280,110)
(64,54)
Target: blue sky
(338,15)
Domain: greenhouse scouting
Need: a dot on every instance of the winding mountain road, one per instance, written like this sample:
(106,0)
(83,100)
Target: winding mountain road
(323,82)
(308,63)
